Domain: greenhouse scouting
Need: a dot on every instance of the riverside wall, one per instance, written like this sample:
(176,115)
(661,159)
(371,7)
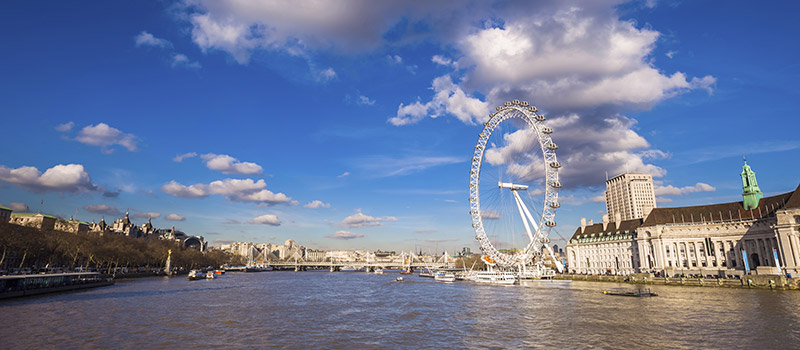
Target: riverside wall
(747,281)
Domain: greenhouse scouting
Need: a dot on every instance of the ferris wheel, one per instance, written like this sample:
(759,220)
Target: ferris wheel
(514,175)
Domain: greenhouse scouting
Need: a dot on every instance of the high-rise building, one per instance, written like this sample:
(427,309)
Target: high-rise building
(630,195)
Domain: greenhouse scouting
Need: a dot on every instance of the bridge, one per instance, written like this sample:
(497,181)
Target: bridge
(357,265)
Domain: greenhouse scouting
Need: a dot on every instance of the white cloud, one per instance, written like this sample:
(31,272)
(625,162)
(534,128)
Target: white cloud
(65,127)
(448,98)
(229,165)
(240,190)
(344,235)
(317,204)
(671,53)
(344,174)
(325,75)
(103,209)
(180,60)
(394,59)
(444,61)
(60,178)
(146,39)
(106,136)
(364,100)
(359,219)
(670,190)
(440,240)
(175,217)
(179,158)
(147,215)
(267,219)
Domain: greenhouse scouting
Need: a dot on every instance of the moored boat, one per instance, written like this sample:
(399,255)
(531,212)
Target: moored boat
(494,277)
(444,276)
(195,275)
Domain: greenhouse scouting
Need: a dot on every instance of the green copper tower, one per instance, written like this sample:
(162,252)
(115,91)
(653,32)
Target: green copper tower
(751,194)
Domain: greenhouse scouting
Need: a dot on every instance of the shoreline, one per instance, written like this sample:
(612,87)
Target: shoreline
(747,281)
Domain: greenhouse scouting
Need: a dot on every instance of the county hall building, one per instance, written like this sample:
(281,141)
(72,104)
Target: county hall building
(755,235)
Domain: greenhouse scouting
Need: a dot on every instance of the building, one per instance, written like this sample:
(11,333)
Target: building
(39,221)
(630,195)
(72,226)
(5,214)
(723,239)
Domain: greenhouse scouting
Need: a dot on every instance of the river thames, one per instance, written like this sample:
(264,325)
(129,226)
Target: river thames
(322,310)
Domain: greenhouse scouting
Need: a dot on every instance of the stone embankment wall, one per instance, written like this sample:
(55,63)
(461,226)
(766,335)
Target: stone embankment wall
(747,281)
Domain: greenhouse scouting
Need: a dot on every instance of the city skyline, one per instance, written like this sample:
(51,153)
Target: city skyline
(351,124)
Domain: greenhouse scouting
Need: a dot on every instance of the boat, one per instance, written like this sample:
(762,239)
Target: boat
(399,279)
(494,277)
(427,273)
(407,271)
(639,292)
(219,272)
(444,276)
(379,271)
(195,275)
(25,285)
(210,275)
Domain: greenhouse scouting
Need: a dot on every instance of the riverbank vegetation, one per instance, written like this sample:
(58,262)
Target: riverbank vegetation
(25,247)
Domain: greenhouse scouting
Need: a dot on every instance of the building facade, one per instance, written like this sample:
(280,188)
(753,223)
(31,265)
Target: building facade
(5,214)
(630,195)
(717,239)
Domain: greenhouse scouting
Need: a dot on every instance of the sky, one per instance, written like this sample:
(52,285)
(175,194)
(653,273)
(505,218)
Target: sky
(351,124)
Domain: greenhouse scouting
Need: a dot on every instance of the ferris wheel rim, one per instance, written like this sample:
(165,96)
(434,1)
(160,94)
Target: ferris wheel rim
(520,110)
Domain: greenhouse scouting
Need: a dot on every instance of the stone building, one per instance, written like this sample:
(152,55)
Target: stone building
(39,221)
(72,226)
(762,236)
(630,195)
(5,214)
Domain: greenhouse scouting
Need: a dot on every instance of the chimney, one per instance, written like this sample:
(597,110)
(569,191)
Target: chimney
(618,219)
(583,224)
(591,222)
(605,221)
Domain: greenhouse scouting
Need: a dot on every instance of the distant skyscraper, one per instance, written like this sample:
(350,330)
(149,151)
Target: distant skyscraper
(630,195)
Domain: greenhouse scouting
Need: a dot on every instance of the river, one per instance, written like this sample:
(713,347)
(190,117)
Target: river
(356,310)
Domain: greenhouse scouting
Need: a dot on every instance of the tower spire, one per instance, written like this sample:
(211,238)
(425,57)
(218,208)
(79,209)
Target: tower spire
(751,194)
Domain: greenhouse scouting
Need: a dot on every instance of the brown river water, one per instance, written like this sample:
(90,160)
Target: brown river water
(356,310)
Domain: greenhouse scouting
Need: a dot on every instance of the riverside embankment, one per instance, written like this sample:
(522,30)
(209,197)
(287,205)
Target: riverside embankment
(747,281)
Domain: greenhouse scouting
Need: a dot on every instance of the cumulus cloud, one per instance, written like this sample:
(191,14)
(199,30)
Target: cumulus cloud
(106,136)
(65,127)
(317,204)
(239,190)
(146,39)
(147,215)
(670,190)
(344,235)
(175,217)
(60,178)
(448,98)
(229,165)
(103,209)
(359,219)
(179,158)
(267,219)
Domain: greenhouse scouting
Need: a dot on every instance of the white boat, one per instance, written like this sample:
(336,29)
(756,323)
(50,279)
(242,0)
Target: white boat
(195,275)
(379,271)
(494,277)
(210,275)
(443,276)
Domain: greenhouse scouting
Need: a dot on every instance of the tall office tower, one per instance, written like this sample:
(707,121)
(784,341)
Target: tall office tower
(630,195)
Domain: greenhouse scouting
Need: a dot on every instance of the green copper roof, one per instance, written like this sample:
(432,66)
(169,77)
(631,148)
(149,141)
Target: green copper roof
(751,194)
(4,208)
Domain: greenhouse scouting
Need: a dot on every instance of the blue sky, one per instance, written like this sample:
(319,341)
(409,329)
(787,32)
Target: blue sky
(351,124)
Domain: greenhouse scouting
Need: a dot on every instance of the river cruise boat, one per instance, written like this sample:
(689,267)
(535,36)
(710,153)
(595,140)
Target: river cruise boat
(639,292)
(494,277)
(24,285)
(444,276)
